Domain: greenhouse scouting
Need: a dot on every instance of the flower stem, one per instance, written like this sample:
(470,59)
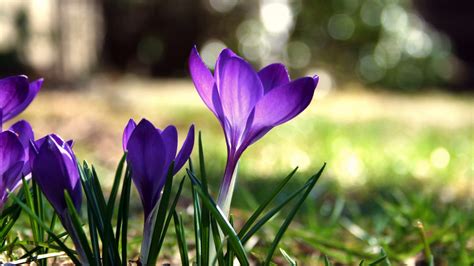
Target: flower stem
(227,186)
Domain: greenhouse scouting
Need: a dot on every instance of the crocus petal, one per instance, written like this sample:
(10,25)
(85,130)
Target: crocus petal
(185,151)
(202,78)
(9,181)
(221,59)
(12,177)
(280,105)
(273,76)
(13,92)
(25,135)
(239,89)
(33,90)
(170,138)
(146,159)
(11,151)
(24,131)
(131,125)
(55,170)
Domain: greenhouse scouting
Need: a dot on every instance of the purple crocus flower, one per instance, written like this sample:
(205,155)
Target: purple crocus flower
(12,160)
(54,169)
(247,103)
(16,93)
(150,152)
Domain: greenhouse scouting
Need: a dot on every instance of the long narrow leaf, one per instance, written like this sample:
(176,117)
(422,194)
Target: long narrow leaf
(181,238)
(262,207)
(45,227)
(290,217)
(205,215)
(158,229)
(274,211)
(78,227)
(225,226)
(170,212)
(115,186)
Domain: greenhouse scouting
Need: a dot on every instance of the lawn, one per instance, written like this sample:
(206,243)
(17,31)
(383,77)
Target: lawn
(396,162)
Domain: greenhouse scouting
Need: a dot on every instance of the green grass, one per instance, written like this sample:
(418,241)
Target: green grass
(392,160)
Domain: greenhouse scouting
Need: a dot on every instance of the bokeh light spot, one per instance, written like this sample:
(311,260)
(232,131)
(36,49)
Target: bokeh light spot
(341,27)
(210,51)
(276,17)
(298,54)
(440,158)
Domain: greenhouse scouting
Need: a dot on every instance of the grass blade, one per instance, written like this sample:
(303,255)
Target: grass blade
(274,211)
(170,212)
(158,228)
(77,224)
(181,238)
(287,257)
(205,215)
(115,186)
(225,226)
(262,207)
(30,213)
(292,214)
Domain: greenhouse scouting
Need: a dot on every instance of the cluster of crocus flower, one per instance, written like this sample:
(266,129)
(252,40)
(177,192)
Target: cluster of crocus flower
(248,104)
(50,161)
(150,155)
(16,93)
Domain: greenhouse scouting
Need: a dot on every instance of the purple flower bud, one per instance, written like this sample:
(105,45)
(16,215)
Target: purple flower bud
(248,104)
(54,168)
(150,154)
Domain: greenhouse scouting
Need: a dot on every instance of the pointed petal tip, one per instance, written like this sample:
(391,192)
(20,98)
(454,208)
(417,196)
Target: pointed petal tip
(316,80)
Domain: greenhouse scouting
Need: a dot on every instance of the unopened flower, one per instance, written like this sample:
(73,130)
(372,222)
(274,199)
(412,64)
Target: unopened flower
(55,170)
(150,153)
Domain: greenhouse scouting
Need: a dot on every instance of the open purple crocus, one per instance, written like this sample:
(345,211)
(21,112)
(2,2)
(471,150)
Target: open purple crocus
(12,160)
(16,93)
(150,153)
(247,103)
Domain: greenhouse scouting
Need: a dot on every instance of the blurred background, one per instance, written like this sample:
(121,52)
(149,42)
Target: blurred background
(392,115)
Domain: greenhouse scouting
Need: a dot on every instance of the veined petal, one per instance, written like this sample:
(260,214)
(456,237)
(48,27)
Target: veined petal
(239,89)
(273,76)
(33,90)
(170,138)
(223,56)
(146,158)
(13,92)
(202,78)
(185,151)
(11,151)
(131,125)
(280,105)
